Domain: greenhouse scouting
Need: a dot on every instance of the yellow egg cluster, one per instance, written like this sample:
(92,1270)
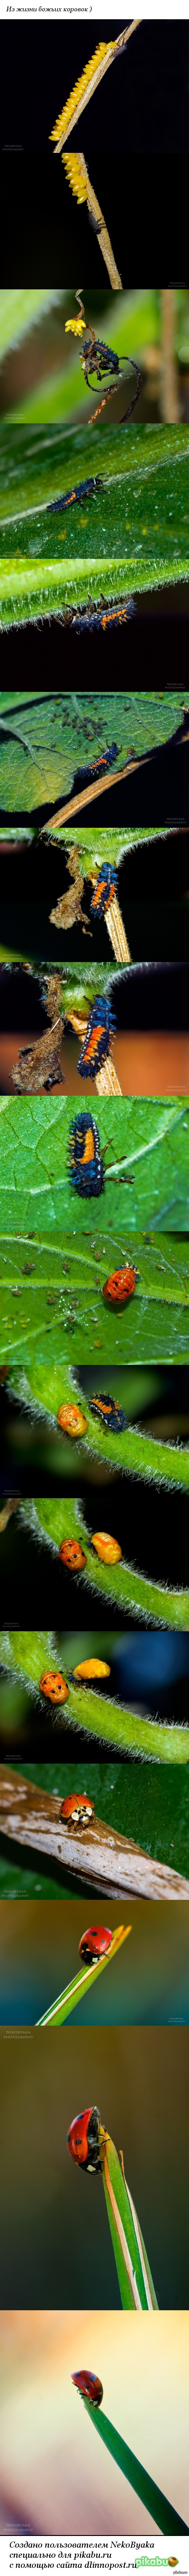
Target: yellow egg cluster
(77,178)
(78,92)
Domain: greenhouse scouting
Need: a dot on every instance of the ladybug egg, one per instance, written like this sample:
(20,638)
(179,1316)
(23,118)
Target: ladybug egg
(119,1287)
(54,1686)
(89,2386)
(92,1671)
(72,1555)
(72,1420)
(106,1547)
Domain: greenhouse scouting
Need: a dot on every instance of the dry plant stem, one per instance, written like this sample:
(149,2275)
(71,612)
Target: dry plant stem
(99,789)
(7,1508)
(106,1080)
(105,66)
(116,933)
(88,794)
(170,407)
(113,1865)
(103,236)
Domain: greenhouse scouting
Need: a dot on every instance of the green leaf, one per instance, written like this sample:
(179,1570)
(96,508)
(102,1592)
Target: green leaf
(151,2496)
(119,1584)
(29,1653)
(144,492)
(51,1304)
(146,1145)
(134,2276)
(20,308)
(48,740)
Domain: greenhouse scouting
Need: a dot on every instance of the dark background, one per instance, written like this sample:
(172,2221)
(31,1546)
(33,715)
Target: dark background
(144,97)
(155,928)
(45,233)
(151,649)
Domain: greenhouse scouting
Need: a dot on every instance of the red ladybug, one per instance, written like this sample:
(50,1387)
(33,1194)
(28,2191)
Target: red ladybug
(120,1286)
(77,1810)
(89,2386)
(72,1554)
(95,1942)
(83,2140)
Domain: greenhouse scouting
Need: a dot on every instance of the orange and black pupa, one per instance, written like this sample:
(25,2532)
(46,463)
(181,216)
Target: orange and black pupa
(98,1039)
(120,1285)
(104,892)
(86,1160)
(108,1413)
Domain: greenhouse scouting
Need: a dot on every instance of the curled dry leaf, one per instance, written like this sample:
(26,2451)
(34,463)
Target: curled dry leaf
(39,1067)
(68,908)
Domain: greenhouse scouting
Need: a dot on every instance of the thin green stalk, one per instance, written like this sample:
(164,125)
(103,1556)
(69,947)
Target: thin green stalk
(73,1994)
(134,2276)
(151,2496)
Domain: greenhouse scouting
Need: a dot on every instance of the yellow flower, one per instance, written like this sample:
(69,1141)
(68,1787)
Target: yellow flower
(77,327)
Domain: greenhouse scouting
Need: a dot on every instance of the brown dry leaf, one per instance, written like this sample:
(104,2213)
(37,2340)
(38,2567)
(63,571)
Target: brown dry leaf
(68,908)
(39,1067)
(52,989)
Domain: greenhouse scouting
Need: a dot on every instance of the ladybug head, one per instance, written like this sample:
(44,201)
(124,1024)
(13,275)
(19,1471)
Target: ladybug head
(77,1810)
(89,2386)
(94,1943)
(83,2140)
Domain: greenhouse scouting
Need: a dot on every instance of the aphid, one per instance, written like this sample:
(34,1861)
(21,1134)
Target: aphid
(77,1810)
(104,892)
(98,1038)
(70,1419)
(94,1943)
(54,1686)
(108,1413)
(120,1286)
(89,2386)
(107,1548)
(91,1671)
(83,2140)
(86,1160)
(94,483)
(72,1555)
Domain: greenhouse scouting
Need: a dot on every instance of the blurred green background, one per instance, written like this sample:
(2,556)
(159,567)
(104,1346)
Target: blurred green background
(40,371)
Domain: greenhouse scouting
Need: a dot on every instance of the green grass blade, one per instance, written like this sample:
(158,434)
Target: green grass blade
(134,2276)
(150,2495)
(73,1994)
